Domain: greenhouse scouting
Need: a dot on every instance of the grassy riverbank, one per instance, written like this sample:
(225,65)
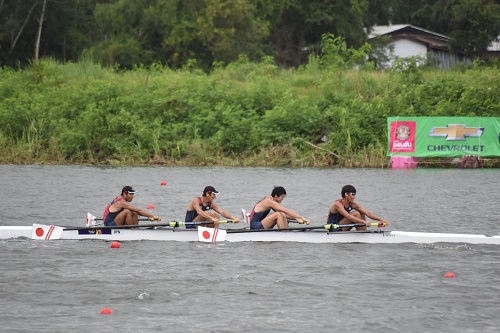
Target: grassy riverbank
(245,114)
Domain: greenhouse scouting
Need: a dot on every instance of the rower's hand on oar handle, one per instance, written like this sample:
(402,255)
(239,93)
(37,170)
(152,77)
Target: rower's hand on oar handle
(383,223)
(379,224)
(155,218)
(235,219)
(302,220)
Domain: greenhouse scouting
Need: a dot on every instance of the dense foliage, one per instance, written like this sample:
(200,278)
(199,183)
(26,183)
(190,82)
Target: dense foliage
(242,114)
(174,33)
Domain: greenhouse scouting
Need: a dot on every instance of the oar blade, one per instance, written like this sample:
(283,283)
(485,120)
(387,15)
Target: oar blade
(245,216)
(46,232)
(90,220)
(211,235)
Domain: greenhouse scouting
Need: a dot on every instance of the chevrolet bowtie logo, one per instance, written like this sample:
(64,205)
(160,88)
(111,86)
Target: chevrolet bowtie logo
(456,132)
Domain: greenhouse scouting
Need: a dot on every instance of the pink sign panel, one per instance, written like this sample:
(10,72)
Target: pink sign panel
(402,136)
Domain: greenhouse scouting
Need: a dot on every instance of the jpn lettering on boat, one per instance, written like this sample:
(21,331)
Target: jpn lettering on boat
(94,232)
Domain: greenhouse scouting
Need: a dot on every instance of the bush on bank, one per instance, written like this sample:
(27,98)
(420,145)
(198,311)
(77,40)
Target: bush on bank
(243,114)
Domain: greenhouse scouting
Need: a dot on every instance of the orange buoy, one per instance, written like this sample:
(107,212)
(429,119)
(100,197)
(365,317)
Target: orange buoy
(106,311)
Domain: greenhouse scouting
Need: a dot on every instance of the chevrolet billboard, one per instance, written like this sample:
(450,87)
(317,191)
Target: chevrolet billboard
(443,136)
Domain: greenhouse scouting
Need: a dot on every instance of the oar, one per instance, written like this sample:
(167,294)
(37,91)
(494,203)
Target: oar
(143,219)
(91,220)
(324,226)
(180,224)
(373,224)
(173,224)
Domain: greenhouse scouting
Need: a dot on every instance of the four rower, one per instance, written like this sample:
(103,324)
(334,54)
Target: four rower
(120,211)
(262,218)
(346,211)
(343,211)
(199,209)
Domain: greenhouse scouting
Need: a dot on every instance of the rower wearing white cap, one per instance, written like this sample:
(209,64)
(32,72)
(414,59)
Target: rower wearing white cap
(199,209)
(120,211)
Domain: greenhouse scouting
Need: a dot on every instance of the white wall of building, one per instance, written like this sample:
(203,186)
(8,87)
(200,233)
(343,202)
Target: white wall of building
(404,48)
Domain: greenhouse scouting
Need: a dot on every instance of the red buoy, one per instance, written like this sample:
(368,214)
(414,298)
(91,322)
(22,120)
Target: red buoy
(449,275)
(106,311)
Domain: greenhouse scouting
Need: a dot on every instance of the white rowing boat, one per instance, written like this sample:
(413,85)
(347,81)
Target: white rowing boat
(302,234)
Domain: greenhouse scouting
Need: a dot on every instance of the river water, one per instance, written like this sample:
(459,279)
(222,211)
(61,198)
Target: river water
(61,286)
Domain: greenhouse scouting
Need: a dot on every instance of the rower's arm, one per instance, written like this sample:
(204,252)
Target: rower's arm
(224,213)
(140,211)
(290,214)
(147,214)
(371,215)
(353,219)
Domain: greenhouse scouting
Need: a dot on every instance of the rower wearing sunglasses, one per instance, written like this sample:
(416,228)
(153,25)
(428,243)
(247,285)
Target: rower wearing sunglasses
(346,211)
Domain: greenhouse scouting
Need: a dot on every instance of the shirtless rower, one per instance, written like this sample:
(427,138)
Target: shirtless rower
(346,211)
(120,211)
(199,209)
(262,218)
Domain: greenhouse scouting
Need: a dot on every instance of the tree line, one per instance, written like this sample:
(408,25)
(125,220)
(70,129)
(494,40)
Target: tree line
(209,33)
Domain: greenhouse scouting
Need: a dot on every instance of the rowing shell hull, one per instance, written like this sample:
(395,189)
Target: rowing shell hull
(311,236)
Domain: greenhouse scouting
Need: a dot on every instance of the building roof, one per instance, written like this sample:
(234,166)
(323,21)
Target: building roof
(407,31)
(380,30)
(423,35)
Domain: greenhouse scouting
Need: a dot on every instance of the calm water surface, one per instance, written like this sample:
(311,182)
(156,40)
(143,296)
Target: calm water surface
(62,286)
